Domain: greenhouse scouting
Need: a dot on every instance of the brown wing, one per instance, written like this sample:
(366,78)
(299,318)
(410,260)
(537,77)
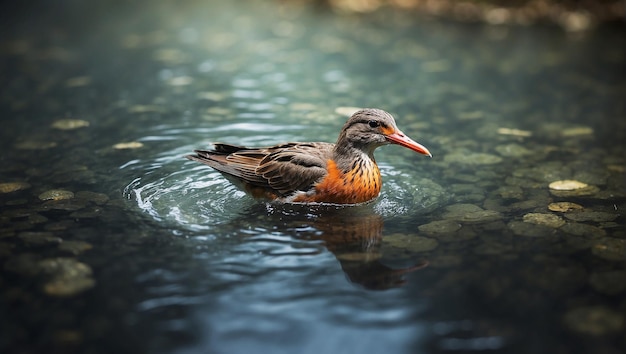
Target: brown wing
(282,169)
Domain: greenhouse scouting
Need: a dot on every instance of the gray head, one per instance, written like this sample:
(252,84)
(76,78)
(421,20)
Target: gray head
(370,128)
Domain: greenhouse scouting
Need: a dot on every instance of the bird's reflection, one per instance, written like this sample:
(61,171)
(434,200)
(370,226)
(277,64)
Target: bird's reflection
(353,234)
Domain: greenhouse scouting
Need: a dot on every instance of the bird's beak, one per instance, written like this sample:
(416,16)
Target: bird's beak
(401,139)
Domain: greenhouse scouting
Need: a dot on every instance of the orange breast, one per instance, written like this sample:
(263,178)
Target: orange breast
(356,186)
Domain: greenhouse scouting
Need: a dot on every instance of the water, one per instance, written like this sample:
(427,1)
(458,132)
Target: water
(155,253)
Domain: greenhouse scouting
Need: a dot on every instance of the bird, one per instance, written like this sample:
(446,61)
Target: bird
(314,172)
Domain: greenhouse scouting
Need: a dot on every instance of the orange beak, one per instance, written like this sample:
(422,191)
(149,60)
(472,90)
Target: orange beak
(399,138)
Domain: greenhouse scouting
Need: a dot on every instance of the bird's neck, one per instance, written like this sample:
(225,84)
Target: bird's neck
(346,156)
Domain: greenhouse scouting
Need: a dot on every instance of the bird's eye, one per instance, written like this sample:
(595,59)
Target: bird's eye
(373,124)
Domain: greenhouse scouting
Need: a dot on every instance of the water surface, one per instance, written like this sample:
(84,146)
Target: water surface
(464,252)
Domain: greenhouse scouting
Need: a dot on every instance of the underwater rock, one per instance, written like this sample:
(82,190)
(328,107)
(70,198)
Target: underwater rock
(470,213)
(549,220)
(39,238)
(56,194)
(513,150)
(10,187)
(595,216)
(35,145)
(440,227)
(93,197)
(70,124)
(67,276)
(609,283)
(567,185)
(128,145)
(611,249)
(521,228)
(578,229)
(75,247)
(594,320)
(411,243)
(564,207)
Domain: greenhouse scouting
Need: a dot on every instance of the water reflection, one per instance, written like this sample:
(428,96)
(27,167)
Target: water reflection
(353,234)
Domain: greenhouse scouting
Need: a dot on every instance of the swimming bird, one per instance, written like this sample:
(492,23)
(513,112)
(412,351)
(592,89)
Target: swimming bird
(314,172)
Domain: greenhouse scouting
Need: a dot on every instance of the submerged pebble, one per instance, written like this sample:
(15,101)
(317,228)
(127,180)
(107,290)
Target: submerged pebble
(594,320)
(520,228)
(56,194)
(440,227)
(75,247)
(411,242)
(588,215)
(67,276)
(549,220)
(612,249)
(35,145)
(585,230)
(564,207)
(513,150)
(610,283)
(128,145)
(10,187)
(470,213)
(567,185)
(41,238)
(70,124)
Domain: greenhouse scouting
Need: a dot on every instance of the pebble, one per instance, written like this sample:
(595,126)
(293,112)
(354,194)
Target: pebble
(75,247)
(564,207)
(67,276)
(567,185)
(470,213)
(513,150)
(41,238)
(588,215)
(411,242)
(520,228)
(577,131)
(549,220)
(56,194)
(515,132)
(594,320)
(10,187)
(587,191)
(440,227)
(96,198)
(611,249)
(35,145)
(585,230)
(70,124)
(609,283)
(128,145)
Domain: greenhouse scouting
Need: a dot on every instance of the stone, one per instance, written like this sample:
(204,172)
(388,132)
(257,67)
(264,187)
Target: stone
(594,320)
(128,145)
(594,216)
(609,283)
(567,185)
(66,276)
(411,242)
(10,187)
(564,207)
(70,124)
(549,220)
(56,194)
